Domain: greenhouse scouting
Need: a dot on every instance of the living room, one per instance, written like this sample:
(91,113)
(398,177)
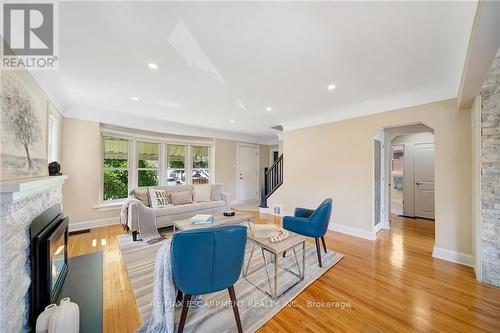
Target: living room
(250,166)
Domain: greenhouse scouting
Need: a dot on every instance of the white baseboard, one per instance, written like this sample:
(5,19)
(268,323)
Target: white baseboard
(93,224)
(353,231)
(456,257)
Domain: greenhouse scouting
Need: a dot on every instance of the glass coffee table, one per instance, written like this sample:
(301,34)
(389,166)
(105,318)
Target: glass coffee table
(276,250)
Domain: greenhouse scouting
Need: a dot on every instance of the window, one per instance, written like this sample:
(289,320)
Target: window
(148,164)
(53,135)
(131,160)
(200,164)
(116,168)
(176,164)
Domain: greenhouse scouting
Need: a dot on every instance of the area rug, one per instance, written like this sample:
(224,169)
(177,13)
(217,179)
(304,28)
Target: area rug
(216,315)
(247,206)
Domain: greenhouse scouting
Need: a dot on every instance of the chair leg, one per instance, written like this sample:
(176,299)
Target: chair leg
(318,251)
(234,304)
(179,296)
(324,244)
(134,235)
(284,254)
(182,322)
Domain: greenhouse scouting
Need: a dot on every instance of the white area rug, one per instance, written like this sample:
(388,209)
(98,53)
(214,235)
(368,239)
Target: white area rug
(255,307)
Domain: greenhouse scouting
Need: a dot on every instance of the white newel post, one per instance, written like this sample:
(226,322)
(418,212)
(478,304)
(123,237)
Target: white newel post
(21,202)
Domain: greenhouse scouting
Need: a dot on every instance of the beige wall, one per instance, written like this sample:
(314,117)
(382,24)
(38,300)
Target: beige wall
(225,166)
(336,160)
(413,138)
(81,161)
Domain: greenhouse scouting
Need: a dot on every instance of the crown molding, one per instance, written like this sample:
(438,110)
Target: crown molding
(162,126)
(388,103)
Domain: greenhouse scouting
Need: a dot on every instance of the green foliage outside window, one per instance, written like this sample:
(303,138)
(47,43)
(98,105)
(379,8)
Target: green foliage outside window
(147,177)
(115,180)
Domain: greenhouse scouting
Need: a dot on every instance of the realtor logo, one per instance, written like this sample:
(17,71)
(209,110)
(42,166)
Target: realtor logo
(29,36)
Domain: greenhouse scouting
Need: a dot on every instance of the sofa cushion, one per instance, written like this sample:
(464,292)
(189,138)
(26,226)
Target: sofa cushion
(142,195)
(158,198)
(193,207)
(201,193)
(215,192)
(181,198)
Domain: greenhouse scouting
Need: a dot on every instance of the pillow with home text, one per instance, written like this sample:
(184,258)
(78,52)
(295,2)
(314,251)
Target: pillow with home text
(158,198)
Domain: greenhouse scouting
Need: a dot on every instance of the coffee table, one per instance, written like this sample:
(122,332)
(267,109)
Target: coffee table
(219,220)
(276,250)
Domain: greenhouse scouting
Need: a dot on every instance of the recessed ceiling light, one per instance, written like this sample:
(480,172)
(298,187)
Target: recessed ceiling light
(269,108)
(232,121)
(153,66)
(135,98)
(331,87)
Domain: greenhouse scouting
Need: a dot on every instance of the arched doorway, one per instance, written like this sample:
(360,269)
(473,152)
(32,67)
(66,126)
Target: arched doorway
(403,188)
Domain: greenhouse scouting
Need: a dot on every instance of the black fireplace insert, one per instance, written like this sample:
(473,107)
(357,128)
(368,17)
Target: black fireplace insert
(49,258)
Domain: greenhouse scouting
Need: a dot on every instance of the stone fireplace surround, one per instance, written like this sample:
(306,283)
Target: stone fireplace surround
(21,202)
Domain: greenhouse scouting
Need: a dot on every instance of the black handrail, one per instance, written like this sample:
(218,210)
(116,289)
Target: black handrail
(273,178)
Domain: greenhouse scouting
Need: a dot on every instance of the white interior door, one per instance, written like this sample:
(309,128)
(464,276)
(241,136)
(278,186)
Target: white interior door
(424,180)
(248,171)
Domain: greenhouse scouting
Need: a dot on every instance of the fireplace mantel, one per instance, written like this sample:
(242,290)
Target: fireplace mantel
(15,190)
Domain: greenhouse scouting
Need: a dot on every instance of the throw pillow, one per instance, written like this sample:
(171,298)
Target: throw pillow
(142,195)
(201,193)
(181,198)
(215,192)
(158,198)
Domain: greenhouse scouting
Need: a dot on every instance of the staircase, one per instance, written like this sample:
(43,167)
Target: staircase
(273,178)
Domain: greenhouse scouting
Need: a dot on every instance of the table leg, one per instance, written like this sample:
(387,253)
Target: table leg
(303,259)
(249,260)
(297,261)
(267,272)
(275,294)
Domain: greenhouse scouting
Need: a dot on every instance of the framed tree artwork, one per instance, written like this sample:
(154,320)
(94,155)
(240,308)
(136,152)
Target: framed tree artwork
(23,121)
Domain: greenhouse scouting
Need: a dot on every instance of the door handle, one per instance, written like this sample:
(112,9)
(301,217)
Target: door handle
(419,183)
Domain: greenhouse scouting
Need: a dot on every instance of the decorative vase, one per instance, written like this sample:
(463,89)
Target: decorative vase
(42,322)
(66,319)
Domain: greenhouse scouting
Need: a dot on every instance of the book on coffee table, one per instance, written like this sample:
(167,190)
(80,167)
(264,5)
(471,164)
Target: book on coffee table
(202,219)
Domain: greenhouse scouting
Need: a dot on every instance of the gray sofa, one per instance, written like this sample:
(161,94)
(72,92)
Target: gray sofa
(167,216)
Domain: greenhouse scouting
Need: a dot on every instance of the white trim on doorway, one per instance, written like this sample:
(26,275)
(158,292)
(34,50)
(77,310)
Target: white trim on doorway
(243,144)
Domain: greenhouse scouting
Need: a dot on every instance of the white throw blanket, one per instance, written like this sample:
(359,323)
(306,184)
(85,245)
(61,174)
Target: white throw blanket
(164,294)
(146,220)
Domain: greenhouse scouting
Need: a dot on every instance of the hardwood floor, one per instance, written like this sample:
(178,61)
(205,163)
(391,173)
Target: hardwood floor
(390,285)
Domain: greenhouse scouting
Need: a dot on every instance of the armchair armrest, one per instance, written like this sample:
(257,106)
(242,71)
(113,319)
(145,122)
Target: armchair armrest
(132,218)
(225,196)
(303,212)
(295,224)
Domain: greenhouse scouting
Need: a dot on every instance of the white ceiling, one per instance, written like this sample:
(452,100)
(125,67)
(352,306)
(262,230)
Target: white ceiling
(230,60)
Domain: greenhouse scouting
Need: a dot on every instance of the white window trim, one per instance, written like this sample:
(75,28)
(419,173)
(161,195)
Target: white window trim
(186,162)
(136,165)
(134,139)
(107,203)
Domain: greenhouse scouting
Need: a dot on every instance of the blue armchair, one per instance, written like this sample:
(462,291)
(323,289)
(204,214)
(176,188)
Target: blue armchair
(311,223)
(208,260)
